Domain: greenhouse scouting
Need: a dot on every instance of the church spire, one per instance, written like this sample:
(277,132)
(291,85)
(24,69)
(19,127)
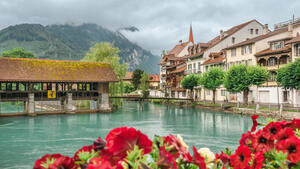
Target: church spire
(191,37)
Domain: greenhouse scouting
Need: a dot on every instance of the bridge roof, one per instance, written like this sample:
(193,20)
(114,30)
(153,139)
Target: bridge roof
(42,70)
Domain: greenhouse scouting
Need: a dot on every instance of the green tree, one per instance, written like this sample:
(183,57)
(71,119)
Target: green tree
(189,82)
(136,78)
(239,78)
(18,53)
(289,75)
(107,53)
(128,87)
(144,85)
(212,79)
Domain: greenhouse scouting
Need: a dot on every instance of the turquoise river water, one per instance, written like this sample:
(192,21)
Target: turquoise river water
(24,139)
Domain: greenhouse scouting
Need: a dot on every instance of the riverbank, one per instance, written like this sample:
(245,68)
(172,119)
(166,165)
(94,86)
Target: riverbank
(266,112)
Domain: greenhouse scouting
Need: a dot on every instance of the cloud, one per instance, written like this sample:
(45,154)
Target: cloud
(161,22)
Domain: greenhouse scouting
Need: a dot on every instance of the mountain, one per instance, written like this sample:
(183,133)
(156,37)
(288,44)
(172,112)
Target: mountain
(71,42)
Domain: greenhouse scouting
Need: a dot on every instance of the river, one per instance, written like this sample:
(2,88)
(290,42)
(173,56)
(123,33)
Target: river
(24,139)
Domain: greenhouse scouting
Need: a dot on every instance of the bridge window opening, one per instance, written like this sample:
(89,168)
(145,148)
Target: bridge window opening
(14,86)
(37,86)
(88,87)
(9,86)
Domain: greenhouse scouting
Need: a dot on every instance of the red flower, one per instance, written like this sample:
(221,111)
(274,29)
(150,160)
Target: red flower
(165,159)
(271,130)
(46,161)
(295,124)
(223,157)
(254,121)
(257,161)
(292,147)
(121,140)
(241,157)
(63,162)
(99,163)
(247,139)
(180,148)
(198,159)
(99,144)
(88,149)
(261,143)
(284,134)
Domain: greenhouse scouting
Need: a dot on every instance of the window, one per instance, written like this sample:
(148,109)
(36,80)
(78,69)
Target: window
(190,67)
(272,61)
(277,45)
(272,76)
(199,65)
(251,31)
(247,49)
(194,66)
(233,52)
(184,94)
(285,96)
(233,40)
(207,92)
(298,54)
(223,92)
(256,31)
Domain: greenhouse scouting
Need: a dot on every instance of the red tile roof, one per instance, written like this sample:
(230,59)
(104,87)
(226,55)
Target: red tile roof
(128,76)
(275,51)
(214,58)
(154,78)
(178,48)
(178,70)
(41,70)
(294,40)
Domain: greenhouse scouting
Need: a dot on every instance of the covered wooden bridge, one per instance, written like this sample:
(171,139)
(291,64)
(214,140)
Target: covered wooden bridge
(31,80)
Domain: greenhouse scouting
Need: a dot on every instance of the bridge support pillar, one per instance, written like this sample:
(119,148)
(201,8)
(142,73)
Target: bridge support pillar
(30,105)
(176,94)
(93,105)
(103,102)
(69,104)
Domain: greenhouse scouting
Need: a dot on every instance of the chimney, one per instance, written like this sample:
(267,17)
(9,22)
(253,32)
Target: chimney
(290,27)
(221,34)
(265,29)
(180,41)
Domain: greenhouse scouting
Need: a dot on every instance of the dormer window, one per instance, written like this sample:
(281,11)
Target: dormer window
(233,40)
(277,45)
(251,31)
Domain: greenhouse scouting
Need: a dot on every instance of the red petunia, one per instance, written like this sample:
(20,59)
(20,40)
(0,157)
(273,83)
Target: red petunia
(198,159)
(87,149)
(46,161)
(223,157)
(261,142)
(247,139)
(295,124)
(63,162)
(165,159)
(292,147)
(99,163)
(121,140)
(254,121)
(257,161)
(99,144)
(180,149)
(284,134)
(241,157)
(271,130)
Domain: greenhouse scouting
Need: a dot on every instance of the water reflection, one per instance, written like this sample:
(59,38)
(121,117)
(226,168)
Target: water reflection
(26,138)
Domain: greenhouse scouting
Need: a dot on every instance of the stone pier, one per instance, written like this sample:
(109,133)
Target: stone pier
(30,105)
(69,103)
(103,102)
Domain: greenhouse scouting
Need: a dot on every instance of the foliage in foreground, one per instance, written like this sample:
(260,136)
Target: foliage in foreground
(18,53)
(277,145)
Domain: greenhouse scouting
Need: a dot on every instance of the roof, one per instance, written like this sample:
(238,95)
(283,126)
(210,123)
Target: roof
(179,89)
(191,37)
(128,76)
(178,48)
(154,78)
(39,70)
(214,58)
(178,70)
(229,32)
(275,51)
(258,38)
(294,40)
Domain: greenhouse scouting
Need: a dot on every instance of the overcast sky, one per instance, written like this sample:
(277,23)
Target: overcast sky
(161,22)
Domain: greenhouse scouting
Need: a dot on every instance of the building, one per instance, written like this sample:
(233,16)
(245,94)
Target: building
(204,55)
(172,68)
(128,77)
(154,81)
(271,50)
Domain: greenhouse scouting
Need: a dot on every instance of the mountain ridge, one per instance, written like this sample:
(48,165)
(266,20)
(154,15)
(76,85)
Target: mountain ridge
(71,42)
